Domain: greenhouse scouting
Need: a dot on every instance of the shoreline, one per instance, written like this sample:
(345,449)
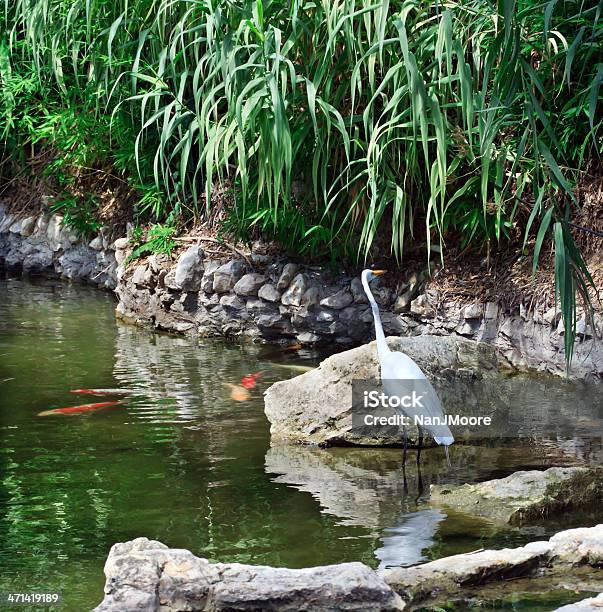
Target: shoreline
(267,299)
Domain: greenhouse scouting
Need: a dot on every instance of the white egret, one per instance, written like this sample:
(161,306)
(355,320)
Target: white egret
(397,369)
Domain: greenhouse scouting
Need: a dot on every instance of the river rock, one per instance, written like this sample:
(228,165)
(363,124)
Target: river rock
(339,300)
(15,228)
(287,275)
(491,311)
(229,300)
(96,243)
(121,243)
(447,574)
(293,295)
(77,262)
(226,276)
(146,575)
(421,306)
(139,275)
(272,324)
(402,302)
(525,496)
(316,407)
(309,338)
(249,284)
(269,293)
(358,291)
(6,222)
(207,280)
(473,311)
(381,294)
(257,307)
(39,260)
(189,269)
(311,297)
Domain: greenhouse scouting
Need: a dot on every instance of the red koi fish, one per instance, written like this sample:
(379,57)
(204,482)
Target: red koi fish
(249,380)
(78,409)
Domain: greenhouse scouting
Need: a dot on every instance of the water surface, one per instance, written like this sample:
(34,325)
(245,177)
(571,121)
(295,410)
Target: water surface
(182,462)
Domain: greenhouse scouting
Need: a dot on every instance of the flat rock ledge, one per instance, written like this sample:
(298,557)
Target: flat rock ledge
(448,576)
(147,575)
(524,496)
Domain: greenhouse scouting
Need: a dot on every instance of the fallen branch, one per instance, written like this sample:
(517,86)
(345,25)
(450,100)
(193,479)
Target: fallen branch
(234,249)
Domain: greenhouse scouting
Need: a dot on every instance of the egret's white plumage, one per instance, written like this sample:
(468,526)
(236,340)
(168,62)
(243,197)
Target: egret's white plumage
(397,367)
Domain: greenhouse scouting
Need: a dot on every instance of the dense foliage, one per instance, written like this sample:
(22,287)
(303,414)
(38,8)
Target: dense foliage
(336,124)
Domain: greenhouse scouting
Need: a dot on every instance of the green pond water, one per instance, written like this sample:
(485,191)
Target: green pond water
(182,462)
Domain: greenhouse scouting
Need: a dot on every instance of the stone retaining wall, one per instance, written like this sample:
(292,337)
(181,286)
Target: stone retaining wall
(267,299)
(41,244)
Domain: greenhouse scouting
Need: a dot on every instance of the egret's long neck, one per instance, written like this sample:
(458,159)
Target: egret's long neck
(382,348)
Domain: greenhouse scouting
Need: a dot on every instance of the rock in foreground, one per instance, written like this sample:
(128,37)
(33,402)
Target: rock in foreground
(316,407)
(449,575)
(592,604)
(525,496)
(146,575)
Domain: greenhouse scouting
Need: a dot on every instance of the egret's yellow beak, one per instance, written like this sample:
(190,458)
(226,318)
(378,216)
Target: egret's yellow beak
(378,272)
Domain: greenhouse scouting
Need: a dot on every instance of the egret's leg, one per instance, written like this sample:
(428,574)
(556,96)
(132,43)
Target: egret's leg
(420,446)
(447,456)
(405,481)
(405,435)
(420,486)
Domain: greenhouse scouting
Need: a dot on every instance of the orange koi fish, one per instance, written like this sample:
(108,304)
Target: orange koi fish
(237,393)
(78,409)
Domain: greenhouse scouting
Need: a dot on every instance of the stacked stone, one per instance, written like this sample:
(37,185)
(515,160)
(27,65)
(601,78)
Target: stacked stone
(42,244)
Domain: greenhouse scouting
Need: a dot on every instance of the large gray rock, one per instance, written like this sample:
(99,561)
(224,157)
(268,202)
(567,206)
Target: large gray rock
(525,496)
(316,407)
(226,276)
(77,262)
(146,575)
(189,269)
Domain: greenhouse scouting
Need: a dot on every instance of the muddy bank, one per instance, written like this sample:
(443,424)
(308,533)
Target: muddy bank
(265,298)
